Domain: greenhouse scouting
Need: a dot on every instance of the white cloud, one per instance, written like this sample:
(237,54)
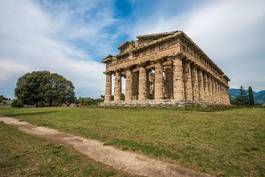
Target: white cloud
(229,31)
(36,37)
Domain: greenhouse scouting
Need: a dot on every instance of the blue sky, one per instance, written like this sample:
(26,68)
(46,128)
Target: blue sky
(71,37)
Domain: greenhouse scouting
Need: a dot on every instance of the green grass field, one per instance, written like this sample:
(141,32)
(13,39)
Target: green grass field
(25,155)
(230,142)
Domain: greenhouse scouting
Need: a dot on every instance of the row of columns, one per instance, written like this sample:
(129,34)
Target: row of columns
(184,81)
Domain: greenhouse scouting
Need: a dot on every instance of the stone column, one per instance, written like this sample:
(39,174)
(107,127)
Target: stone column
(195,83)
(227,96)
(108,87)
(218,92)
(206,84)
(142,83)
(117,87)
(201,85)
(210,89)
(135,84)
(169,82)
(178,83)
(188,82)
(213,90)
(128,89)
(159,81)
(223,94)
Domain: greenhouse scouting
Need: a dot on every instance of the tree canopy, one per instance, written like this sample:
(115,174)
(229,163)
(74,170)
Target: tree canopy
(3,98)
(42,88)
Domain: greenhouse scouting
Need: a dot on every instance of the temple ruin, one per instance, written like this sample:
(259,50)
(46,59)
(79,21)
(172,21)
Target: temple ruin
(164,68)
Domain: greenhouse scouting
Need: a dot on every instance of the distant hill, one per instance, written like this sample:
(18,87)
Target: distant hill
(258,96)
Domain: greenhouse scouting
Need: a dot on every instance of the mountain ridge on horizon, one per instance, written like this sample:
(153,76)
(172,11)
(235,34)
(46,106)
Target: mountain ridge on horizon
(259,96)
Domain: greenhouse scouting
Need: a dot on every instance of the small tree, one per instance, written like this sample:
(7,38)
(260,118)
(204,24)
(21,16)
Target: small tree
(250,96)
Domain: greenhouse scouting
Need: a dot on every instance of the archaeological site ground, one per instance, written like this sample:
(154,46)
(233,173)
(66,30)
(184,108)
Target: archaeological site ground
(225,143)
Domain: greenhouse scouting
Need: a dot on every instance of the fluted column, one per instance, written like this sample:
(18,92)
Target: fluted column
(135,84)
(227,96)
(223,94)
(218,93)
(108,87)
(214,90)
(159,81)
(168,82)
(210,89)
(128,89)
(188,82)
(206,86)
(142,83)
(201,85)
(117,87)
(178,83)
(195,84)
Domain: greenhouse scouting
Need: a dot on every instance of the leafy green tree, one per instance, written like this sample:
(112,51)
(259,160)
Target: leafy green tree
(41,88)
(250,96)
(17,103)
(3,98)
(88,101)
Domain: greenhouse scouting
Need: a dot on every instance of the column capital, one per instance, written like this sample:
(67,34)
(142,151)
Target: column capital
(195,65)
(158,61)
(179,56)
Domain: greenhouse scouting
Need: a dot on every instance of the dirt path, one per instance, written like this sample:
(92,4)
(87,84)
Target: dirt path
(129,162)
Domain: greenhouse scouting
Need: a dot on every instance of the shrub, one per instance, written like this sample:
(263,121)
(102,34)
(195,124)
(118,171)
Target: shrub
(17,103)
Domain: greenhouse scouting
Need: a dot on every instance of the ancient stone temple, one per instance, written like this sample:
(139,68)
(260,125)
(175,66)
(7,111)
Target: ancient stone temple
(164,68)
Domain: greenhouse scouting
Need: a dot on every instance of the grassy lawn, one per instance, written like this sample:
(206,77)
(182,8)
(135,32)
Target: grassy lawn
(230,142)
(24,155)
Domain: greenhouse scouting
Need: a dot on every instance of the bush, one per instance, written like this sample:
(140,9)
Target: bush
(17,103)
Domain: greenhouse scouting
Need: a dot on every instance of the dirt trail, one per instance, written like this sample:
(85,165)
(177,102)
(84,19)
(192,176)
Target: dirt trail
(129,162)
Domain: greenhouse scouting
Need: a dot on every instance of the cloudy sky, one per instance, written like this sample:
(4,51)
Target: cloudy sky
(71,37)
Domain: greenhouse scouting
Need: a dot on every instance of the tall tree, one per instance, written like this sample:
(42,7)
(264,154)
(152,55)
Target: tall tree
(44,88)
(250,96)
(242,99)
(241,95)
